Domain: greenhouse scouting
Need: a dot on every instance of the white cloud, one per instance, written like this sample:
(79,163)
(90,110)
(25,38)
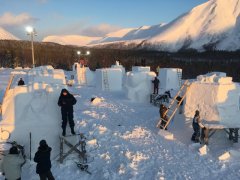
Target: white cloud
(8,19)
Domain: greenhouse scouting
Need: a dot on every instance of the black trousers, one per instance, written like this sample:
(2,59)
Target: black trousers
(155,90)
(16,179)
(48,175)
(67,116)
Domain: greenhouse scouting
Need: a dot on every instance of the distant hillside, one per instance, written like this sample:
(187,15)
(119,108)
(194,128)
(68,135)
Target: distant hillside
(5,35)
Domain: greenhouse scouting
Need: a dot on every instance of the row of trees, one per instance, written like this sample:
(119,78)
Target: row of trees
(193,63)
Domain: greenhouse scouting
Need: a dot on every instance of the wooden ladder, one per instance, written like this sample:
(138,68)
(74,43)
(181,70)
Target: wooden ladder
(105,80)
(173,106)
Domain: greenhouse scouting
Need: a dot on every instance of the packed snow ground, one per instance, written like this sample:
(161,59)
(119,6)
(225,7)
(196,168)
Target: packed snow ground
(126,144)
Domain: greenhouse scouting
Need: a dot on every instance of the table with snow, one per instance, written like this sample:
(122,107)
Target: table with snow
(217,99)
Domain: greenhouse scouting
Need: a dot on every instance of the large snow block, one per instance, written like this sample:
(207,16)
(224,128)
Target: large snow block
(47,75)
(170,78)
(109,79)
(138,85)
(217,102)
(141,69)
(84,76)
(34,109)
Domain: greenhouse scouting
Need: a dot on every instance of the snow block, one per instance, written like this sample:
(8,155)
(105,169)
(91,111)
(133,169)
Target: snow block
(141,68)
(170,78)
(109,79)
(138,86)
(203,150)
(217,99)
(167,135)
(224,156)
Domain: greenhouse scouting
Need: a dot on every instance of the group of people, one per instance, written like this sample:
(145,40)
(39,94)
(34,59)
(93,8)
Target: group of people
(12,162)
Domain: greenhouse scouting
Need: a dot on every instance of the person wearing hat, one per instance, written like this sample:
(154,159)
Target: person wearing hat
(66,102)
(21,82)
(12,164)
(42,158)
(196,124)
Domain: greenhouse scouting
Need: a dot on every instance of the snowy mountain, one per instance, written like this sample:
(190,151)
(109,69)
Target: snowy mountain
(71,39)
(212,25)
(5,35)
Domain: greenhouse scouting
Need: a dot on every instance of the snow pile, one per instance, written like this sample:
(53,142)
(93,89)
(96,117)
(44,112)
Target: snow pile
(167,135)
(109,79)
(217,99)
(96,100)
(170,78)
(46,74)
(138,84)
(224,156)
(203,150)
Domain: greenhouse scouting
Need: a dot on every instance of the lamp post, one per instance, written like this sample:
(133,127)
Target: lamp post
(32,32)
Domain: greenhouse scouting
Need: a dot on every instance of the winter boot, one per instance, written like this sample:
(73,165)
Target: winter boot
(72,131)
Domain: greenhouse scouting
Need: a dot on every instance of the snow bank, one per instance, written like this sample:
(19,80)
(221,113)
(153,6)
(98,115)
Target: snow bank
(216,97)
(170,78)
(109,79)
(138,84)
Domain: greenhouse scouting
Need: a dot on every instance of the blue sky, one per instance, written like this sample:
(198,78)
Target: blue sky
(87,17)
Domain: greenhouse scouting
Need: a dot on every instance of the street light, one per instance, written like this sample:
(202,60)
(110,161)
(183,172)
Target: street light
(80,54)
(32,32)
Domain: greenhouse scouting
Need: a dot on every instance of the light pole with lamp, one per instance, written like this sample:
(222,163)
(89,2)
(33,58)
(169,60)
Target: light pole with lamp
(32,32)
(80,54)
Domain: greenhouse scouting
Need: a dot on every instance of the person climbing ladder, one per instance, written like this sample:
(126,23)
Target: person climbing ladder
(66,102)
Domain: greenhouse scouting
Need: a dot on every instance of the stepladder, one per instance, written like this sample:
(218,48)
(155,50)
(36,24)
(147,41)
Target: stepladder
(167,114)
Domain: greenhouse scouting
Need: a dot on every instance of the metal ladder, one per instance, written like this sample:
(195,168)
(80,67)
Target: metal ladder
(179,73)
(105,80)
(173,106)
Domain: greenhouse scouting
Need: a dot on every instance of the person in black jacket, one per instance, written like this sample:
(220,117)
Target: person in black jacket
(155,84)
(21,82)
(66,102)
(42,158)
(162,112)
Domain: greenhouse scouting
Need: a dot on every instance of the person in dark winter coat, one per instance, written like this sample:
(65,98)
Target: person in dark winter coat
(66,102)
(155,85)
(12,164)
(196,124)
(42,158)
(162,111)
(179,98)
(21,82)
